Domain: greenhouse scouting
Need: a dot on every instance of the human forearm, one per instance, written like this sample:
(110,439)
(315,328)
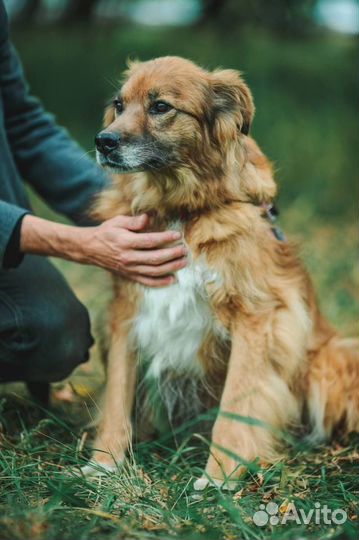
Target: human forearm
(42,237)
(118,245)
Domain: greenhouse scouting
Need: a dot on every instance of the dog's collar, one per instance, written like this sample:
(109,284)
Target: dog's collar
(186,215)
(269,211)
(245,128)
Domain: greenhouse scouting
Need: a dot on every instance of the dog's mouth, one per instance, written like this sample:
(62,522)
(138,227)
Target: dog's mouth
(131,158)
(117,165)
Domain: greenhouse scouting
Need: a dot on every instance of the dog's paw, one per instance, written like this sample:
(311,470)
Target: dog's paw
(201,483)
(95,469)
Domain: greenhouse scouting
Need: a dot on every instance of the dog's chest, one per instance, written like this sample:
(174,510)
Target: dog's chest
(173,322)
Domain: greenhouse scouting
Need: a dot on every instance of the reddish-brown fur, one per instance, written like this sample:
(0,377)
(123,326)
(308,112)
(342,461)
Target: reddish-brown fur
(284,358)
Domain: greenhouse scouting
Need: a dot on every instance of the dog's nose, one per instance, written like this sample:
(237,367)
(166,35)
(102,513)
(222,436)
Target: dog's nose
(106,141)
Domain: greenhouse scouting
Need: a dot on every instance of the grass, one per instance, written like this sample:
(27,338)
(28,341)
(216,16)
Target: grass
(152,497)
(304,122)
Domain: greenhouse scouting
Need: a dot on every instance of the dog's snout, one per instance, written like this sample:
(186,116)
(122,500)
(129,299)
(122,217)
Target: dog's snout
(106,141)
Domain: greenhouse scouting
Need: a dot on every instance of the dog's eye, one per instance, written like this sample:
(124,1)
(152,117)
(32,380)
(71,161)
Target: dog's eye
(118,104)
(160,107)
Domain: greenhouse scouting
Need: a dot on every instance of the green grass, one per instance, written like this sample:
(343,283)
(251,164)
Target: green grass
(305,93)
(42,497)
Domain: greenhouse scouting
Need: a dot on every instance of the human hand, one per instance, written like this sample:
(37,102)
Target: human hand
(118,245)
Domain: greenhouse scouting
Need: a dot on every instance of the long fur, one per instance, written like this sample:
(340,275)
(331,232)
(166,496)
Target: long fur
(277,360)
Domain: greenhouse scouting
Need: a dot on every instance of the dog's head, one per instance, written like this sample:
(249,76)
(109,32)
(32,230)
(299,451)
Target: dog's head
(170,113)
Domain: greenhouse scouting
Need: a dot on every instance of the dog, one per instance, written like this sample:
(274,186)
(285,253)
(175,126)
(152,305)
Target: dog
(241,322)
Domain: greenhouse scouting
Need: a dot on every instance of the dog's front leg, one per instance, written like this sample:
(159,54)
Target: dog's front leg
(252,390)
(115,430)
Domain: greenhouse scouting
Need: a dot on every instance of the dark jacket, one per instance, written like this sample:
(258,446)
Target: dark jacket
(35,149)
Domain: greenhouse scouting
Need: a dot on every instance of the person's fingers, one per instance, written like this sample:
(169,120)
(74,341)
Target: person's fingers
(153,239)
(154,282)
(157,256)
(160,270)
(132,223)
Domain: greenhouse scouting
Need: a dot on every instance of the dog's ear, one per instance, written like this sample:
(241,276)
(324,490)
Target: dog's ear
(233,107)
(131,65)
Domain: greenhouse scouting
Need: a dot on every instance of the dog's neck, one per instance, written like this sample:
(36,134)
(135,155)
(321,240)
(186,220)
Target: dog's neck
(185,192)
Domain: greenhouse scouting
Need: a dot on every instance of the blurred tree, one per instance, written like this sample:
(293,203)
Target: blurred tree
(282,16)
(286,16)
(27,11)
(211,8)
(79,10)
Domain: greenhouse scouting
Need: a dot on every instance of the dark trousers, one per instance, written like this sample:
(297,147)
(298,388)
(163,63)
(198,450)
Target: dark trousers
(44,329)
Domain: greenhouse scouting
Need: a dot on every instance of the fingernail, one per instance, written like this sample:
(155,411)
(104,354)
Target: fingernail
(176,235)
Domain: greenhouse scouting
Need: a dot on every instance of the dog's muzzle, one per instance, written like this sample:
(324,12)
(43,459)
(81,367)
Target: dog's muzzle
(123,154)
(106,142)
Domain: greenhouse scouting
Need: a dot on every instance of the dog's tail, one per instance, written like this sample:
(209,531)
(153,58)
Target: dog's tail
(333,382)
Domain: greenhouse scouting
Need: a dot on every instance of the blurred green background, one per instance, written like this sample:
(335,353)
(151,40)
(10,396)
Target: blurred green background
(300,60)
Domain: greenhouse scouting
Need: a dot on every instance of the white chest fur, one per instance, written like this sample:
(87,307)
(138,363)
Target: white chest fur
(173,322)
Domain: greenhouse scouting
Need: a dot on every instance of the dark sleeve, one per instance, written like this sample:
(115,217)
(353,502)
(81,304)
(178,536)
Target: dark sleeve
(13,256)
(10,215)
(45,155)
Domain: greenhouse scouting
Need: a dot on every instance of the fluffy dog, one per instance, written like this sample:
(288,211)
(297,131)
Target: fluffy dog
(241,322)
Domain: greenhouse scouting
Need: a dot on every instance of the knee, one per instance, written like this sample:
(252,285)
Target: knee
(63,340)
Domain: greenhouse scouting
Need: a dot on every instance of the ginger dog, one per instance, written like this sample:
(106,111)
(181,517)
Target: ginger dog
(241,322)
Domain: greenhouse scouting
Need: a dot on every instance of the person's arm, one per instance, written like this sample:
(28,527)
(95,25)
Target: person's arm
(116,245)
(45,155)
